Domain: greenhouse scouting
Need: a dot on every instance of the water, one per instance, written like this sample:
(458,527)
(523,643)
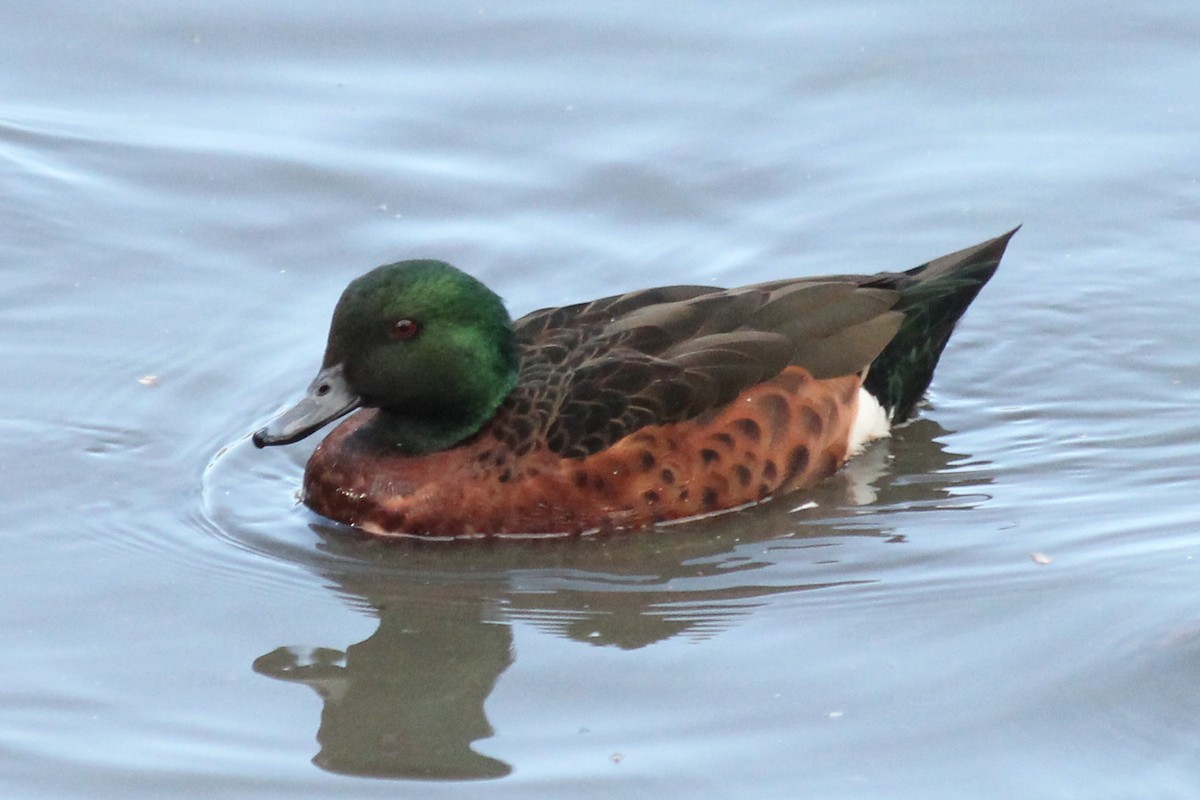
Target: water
(999,602)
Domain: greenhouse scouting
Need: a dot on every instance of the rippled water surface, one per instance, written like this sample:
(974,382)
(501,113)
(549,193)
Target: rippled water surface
(1002,601)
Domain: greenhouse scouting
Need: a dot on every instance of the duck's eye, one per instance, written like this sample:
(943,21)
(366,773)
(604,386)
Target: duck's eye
(405,329)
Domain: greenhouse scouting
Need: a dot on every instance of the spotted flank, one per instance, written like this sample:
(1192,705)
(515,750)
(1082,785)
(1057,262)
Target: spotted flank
(653,406)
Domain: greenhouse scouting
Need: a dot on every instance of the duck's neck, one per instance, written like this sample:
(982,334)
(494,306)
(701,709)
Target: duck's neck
(419,435)
(421,431)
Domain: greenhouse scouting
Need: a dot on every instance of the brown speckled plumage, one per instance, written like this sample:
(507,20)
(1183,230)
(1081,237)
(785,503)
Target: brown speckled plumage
(784,434)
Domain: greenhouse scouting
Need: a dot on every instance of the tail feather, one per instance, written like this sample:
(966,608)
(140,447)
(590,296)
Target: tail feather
(933,297)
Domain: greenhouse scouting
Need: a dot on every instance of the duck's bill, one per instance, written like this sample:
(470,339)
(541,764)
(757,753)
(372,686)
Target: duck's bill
(328,398)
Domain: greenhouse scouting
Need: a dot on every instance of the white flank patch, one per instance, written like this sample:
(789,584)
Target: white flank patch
(870,422)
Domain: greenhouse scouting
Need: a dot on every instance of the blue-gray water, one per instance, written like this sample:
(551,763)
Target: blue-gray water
(1003,601)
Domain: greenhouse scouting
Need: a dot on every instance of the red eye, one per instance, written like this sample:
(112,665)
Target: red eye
(405,329)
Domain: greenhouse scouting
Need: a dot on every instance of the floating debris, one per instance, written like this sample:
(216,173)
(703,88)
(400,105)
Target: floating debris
(1040,558)
(148,380)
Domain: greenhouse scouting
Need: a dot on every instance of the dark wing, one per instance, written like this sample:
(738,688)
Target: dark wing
(531,326)
(596,372)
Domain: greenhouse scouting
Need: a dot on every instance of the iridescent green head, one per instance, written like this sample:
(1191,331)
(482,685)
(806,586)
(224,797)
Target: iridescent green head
(429,345)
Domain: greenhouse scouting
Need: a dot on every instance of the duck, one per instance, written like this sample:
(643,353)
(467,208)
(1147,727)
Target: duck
(627,412)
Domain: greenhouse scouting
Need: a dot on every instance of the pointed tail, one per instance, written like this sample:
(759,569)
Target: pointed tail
(933,297)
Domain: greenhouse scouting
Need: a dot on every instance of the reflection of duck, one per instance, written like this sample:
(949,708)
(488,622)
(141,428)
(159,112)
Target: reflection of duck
(656,405)
(409,701)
